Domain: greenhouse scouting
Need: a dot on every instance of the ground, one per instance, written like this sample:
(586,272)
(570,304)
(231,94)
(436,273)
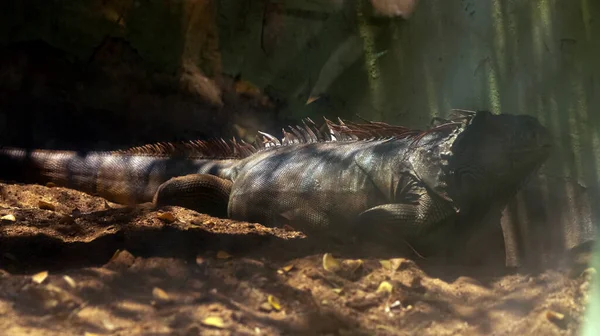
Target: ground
(114,270)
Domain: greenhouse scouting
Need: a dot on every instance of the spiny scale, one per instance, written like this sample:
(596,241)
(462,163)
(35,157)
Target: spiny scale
(308,132)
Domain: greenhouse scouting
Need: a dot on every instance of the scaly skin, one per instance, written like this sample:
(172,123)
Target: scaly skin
(396,183)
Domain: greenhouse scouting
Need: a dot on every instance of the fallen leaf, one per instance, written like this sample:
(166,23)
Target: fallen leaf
(287,268)
(214,321)
(46,205)
(589,272)
(8,218)
(70,281)
(330,263)
(386,264)
(385,286)
(39,277)
(274,302)
(168,217)
(338,290)
(160,294)
(223,255)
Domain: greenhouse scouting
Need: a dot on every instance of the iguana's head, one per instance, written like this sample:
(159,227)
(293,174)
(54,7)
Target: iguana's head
(495,154)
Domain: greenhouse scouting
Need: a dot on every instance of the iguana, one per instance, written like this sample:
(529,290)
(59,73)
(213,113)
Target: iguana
(393,181)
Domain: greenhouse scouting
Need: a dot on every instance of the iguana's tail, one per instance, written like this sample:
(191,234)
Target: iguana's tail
(119,177)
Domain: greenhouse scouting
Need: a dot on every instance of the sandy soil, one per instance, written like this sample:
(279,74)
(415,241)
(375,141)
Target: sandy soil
(138,271)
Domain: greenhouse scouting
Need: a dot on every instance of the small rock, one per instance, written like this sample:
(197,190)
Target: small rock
(265,306)
(46,205)
(168,217)
(120,259)
(556,318)
(223,255)
(352,266)
(160,294)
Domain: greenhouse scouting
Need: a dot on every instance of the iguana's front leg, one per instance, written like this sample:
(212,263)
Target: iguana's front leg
(409,220)
(200,192)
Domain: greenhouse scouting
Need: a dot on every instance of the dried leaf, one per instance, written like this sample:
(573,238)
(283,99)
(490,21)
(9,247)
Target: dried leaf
(160,294)
(8,218)
(589,272)
(385,286)
(338,290)
(39,277)
(214,321)
(70,281)
(46,205)
(287,268)
(223,255)
(274,302)
(330,263)
(386,264)
(168,217)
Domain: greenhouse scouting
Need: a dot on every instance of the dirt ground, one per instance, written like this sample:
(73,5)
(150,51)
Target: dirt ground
(113,270)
